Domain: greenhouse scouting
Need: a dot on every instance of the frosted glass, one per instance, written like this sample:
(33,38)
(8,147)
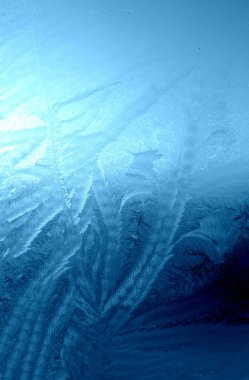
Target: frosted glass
(124,159)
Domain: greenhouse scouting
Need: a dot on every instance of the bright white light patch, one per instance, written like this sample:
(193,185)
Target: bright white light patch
(20,119)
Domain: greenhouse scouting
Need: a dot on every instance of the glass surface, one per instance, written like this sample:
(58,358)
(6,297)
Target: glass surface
(124,216)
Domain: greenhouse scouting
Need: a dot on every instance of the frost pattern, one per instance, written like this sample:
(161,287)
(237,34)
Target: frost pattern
(122,208)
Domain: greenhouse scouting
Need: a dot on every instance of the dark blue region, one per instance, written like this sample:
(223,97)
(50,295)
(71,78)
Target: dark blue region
(223,296)
(191,324)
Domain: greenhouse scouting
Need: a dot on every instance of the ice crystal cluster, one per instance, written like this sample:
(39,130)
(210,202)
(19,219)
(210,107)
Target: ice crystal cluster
(124,182)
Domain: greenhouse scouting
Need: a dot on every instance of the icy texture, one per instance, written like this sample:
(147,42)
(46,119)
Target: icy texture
(124,190)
